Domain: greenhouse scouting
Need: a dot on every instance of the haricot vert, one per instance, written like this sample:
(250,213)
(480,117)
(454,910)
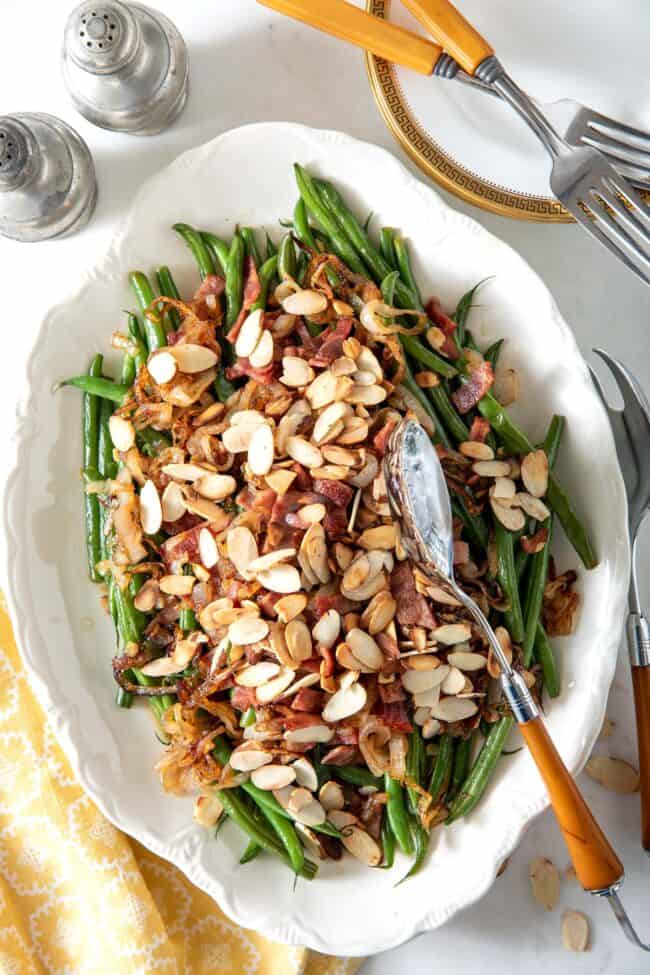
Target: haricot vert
(311,683)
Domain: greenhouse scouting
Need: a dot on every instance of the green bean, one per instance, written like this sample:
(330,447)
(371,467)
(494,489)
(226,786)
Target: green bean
(491,354)
(447,413)
(167,287)
(406,273)
(550,446)
(341,246)
(223,388)
(387,246)
(414,768)
(388,287)
(218,250)
(477,780)
(545,656)
(427,358)
(271,249)
(153,330)
(127,377)
(267,273)
(461,314)
(507,577)
(139,349)
(357,775)
(421,843)
(250,244)
(98,386)
(288,837)
(441,775)
(234,281)
(301,226)
(355,233)
(90,442)
(187,616)
(460,767)
(151,441)
(387,843)
(537,578)
(397,817)
(517,442)
(287,258)
(197,245)
(474,525)
(253,849)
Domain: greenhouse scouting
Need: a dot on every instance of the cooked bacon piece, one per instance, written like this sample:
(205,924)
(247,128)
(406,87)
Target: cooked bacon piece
(335,523)
(382,436)
(394,716)
(184,523)
(125,662)
(479,429)
(388,645)
(331,343)
(309,342)
(290,502)
(474,388)
(242,367)
(307,699)
(253,500)
(412,607)
(338,602)
(267,600)
(534,543)
(299,719)
(342,755)
(461,553)
(243,698)
(183,547)
(205,302)
(336,491)
(252,291)
(446,324)
(345,734)
(329,661)
(391,693)
(371,815)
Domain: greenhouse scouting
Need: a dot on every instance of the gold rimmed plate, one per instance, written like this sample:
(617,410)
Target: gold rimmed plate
(475,146)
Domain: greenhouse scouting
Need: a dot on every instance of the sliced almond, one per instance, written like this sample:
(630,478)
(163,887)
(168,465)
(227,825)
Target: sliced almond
(356,840)
(146,598)
(533,507)
(268,692)
(314,551)
(161,667)
(177,585)
(173,503)
(280,481)
(311,514)
(305,774)
(270,777)
(505,643)
(208,810)
(162,367)
(262,354)
(323,389)
(575,931)
(296,371)
(305,302)
(316,733)
(326,631)
(241,548)
(331,796)
(420,681)
(382,537)
(304,452)
(247,629)
(308,680)
(344,703)
(208,550)
(367,395)
(454,709)
(534,473)
(355,430)
(422,661)
(476,450)
(328,421)
(379,612)
(309,813)
(290,606)
(260,451)
(613,773)
(237,439)
(246,418)
(263,562)
(257,674)
(466,660)
(454,682)
(282,578)
(503,490)
(368,361)
(511,518)
(451,633)
(206,509)
(248,757)
(185,472)
(122,433)
(216,487)
(491,468)
(343,366)
(545,882)
(192,358)
(365,649)
(298,640)
(150,508)
(249,334)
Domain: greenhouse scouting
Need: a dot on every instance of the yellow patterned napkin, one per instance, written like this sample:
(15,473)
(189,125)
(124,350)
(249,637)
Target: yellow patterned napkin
(79,897)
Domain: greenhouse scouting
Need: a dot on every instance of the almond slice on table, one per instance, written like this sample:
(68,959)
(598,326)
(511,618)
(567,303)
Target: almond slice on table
(344,703)
(249,334)
(454,709)
(419,681)
(270,777)
(260,451)
(356,840)
(246,630)
(282,578)
(215,487)
(534,473)
(452,633)
(305,774)
(296,372)
(241,548)
(162,367)
(575,931)
(273,688)
(305,302)
(545,882)
(192,358)
(150,508)
(613,773)
(173,502)
(257,674)
(262,354)
(317,733)
(249,756)
(511,518)
(122,433)
(331,796)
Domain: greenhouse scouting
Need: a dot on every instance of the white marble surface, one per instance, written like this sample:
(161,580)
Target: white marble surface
(249,65)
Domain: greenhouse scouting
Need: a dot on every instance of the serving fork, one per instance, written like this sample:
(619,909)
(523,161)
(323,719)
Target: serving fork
(631,429)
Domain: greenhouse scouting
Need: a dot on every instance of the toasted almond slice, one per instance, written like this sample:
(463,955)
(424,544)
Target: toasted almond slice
(310,813)
(241,548)
(503,489)
(613,773)
(368,361)
(341,456)
(317,733)
(357,573)
(305,774)
(192,358)
(365,649)
(308,680)
(282,578)
(420,681)
(249,334)
(314,548)
(332,472)
(363,377)
(422,661)
(263,562)
(452,633)
(440,595)
(311,514)
(304,452)
(466,660)
(173,503)
(534,473)
(290,606)
(379,612)
(236,439)
(298,639)
(454,709)
(545,882)
(246,418)
(383,537)
(326,631)
(161,667)
(208,548)
(367,395)
(249,756)
(305,302)
(331,796)
(208,810)
(344,703)
(247,629)
(296,371)
(346,659)
(356,840)
(342,308)
(322,391)
(476,450)
(262,354)
(162,367)
(454,682)
(150,508)
(272,689)
(505,643)
(207,509)
(575,931)
(215,487)
(355,430)
(511,518)
(426,699)
(435,337)
(260,451)
(328,420)
(280,480)
(122,433)
(185,650)
(257,674)
(185,472)
(533,507)
(209,414)
(491,468)
(146,598)
(431,728)
(374,584)
(270,777)
(343,366)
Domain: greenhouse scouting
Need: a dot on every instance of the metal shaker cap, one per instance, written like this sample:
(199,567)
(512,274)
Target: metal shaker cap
(47,178)
(125,66)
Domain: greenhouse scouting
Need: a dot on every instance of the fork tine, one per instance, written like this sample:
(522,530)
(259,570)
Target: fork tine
(615,148)
(634,220)
(595,378)
(633,137)
(636,403)
(610,239)
(639,209)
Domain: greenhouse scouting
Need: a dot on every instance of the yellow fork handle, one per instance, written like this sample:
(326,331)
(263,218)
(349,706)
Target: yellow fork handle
(349,23)
(449,27)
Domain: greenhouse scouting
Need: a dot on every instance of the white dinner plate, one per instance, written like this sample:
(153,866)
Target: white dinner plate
(595,52)
(66,638)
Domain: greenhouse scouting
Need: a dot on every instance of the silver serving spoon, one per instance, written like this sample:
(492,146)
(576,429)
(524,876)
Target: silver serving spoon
(419,498)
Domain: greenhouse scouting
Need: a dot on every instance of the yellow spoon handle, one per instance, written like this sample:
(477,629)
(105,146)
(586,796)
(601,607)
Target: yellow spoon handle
(349,23)
(457,36)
